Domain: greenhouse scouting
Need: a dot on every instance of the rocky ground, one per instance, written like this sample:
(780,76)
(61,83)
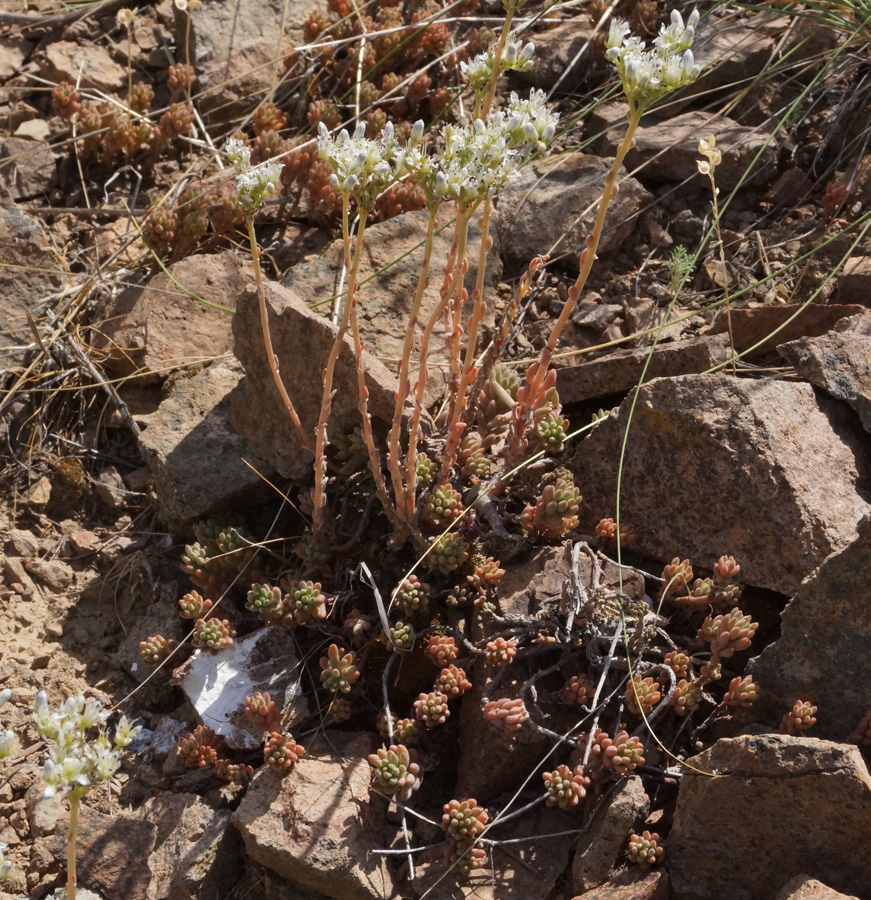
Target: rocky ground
(135,418)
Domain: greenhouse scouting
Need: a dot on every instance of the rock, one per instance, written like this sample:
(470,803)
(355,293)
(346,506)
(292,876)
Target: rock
(84,541)
(552,206)
(633,884)
(234,62)
(392,251)
(29,272)
(316,826)
(157,325)
(196,852)
(112,853)
(22,543)
(823,646)
(619,371)
(111,489)
(854,284)
(561,56)
(13,52)
(27,167)
(38,495)
(33,130)
(766,327)
(803,887)
(674,145)
(217,685)
(302,340)
(91,63)
(608,835)
(530,869)
(839,362)
(784,806)
(42,812)
(195,455)
(15,574)
(763,444)
(55,574)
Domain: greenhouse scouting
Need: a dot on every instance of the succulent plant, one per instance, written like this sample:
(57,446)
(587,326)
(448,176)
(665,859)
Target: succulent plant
(464,820)
(676,577)
(441,649)
(679,661)
(726,570)
(412,595)
(432,709)
(799,718)
(620,753)
(686,697)
(506,714)
(728,634)
(199,747)
(579,690)
(181,79)
(156,649)
(263,599)
(281,751)
(401,635)
(194,559)
(307,601)
(466,856)
(645,849)
(452,682)
(141,96)
(862,735)
(65,100)
(338,671)
(607,530)
(444,504)
(566,787)
(488,573)
(262,710)
(394,771)
(194,606)
(499,652)
(447,552)
(555,511)
(425,469)
(236,774)
(742,691)
(642,694)
(213,635)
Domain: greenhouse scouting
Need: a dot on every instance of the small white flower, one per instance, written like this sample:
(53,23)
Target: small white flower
(125,732)
(90,713)
(5,865)
(253,183)
(5,696)
(7,739)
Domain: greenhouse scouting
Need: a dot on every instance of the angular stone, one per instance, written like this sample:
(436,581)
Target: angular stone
(55,574)
(619,371)
(803,887)
(633,884)
(302,340)
(92,64)
(763,329)
(838,362)
(608,836)
(194,453)
(672,146)
(27,167)
(29,272)
(823,645)
(854,284)
(196,853)
(317,826)
(551,208)
(218,684)
(779,461)
(112,853)
(388,278)
(559,57)
(150,329)
(784,806)
(13,52)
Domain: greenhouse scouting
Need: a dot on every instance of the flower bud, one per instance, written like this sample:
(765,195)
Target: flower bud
(4,696)
(417,131)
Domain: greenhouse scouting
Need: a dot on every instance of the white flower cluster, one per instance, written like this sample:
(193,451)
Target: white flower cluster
(254,184)
(481,158)
(646,74)
(517,57)
(366,167)
(5,865)
(7,738)
(76,760)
